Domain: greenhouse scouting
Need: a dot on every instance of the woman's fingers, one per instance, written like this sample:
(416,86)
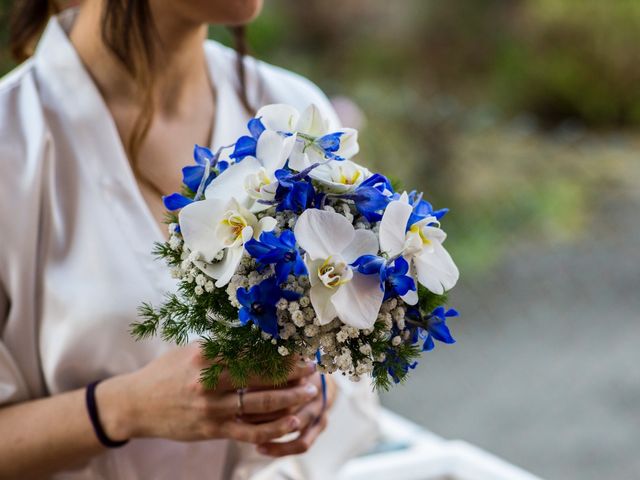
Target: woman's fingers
(268,401)
(263,401)
(309,413)
(262,433)
(267,417)
(297,446)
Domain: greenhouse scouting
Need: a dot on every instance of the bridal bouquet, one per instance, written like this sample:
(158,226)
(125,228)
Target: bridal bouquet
(283,247)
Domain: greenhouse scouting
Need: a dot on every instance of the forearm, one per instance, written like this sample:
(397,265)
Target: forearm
(41,437)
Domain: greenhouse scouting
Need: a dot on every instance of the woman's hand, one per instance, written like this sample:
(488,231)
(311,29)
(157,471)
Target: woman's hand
(312,417)
(166,399)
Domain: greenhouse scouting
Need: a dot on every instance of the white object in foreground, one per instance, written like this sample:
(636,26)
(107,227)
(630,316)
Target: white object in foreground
(416,454)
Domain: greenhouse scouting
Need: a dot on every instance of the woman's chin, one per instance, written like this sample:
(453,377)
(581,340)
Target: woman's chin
(232,13)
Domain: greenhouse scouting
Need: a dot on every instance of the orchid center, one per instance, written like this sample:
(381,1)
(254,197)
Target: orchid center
(260,185)
(417,229)
(334,272)
(231,226)
(347,174)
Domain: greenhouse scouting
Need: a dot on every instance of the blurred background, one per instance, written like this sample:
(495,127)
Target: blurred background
(522,117)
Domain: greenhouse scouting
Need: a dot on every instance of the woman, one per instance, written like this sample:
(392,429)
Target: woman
(93,130)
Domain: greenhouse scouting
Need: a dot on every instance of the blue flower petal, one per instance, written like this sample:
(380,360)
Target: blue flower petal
(452,312)
(245,146)
(402,284)
(202,154)
(256,127)
(428,344)
(440,332)
(244,297)
(175,201)
(222,165)
(300,268)
(282,271)
(192,176)
(330,142)
(244,315)
(369,264)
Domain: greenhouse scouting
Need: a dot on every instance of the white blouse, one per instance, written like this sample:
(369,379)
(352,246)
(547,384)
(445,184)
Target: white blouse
(75,259)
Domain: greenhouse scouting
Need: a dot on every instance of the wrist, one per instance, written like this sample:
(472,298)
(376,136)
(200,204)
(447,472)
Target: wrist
(117,416)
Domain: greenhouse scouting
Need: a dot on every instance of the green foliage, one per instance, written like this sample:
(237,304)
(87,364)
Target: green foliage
(242,350)
(428,301)
(396,183)
(245,354)
(405,354)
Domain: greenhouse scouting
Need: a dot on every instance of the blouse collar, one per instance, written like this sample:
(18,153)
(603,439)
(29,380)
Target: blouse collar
(68,92)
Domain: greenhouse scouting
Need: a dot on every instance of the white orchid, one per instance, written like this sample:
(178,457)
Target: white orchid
(420,245)
(331,245)
(315,142)
(340,177)
(212,228)
(253,179)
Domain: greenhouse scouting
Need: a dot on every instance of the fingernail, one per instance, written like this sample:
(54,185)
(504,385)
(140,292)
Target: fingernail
(311,390)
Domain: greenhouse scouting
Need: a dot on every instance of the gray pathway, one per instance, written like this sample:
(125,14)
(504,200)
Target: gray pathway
(546,371)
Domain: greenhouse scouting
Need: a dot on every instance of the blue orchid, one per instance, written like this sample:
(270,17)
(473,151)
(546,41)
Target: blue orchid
(422,209)
(175,201)
(246,145)
(281,251)
(372,196)
(436,323)
(369,202)
(196,177)
(259,304)
(394,280)
(330,144)
(295,191)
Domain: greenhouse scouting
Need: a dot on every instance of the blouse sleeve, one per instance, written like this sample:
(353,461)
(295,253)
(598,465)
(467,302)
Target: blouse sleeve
(12,385)
(20,147)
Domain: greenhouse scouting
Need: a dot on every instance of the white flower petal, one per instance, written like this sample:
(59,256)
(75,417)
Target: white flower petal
(393,227)
(358,301)
(411,297)
(247,234)
(436,235)
(348,143)
(322,234)
(266,224)
(329,174)
(231,182)
(298,160)
(312,122)
(436,270)
(278,117)
(364,243)
(312,268)
(273,149)
(198,223)
(224,269)
(320,297)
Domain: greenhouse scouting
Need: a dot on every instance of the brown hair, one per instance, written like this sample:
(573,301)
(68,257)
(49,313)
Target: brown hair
(128,31)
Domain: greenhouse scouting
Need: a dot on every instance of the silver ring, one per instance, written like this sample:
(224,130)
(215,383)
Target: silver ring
(240,392)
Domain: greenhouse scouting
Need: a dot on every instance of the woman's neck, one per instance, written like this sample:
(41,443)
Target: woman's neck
(179,71)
